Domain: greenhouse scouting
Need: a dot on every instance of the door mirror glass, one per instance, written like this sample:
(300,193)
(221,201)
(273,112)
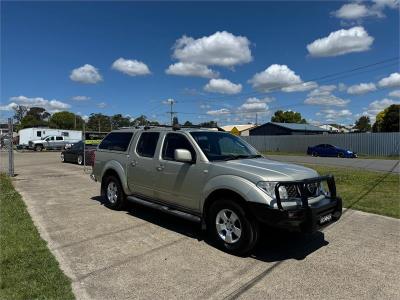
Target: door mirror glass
(183,155)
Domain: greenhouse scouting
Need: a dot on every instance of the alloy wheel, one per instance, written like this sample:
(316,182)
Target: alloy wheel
(112,192)
(228,225)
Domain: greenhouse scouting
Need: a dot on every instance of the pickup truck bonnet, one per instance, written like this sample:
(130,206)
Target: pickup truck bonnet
(268,170)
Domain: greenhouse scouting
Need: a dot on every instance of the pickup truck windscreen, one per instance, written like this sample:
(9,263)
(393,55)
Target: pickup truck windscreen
(223,146)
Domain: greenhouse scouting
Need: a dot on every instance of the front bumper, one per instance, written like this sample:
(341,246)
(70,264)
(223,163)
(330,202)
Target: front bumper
(309,217)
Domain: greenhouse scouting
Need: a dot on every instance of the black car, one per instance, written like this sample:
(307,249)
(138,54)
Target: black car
(75,154)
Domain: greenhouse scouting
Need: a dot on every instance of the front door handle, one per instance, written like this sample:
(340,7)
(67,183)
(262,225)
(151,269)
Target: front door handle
(133,163)
(160,168)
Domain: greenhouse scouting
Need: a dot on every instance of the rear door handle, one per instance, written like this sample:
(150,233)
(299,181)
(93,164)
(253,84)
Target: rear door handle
(160,168)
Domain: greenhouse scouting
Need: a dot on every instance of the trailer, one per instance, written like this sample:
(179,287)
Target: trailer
(31,134)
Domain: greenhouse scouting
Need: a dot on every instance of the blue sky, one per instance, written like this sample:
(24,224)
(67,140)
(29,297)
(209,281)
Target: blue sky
(227,61)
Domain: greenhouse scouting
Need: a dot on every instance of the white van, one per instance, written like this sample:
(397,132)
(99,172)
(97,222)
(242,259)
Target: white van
(31,134)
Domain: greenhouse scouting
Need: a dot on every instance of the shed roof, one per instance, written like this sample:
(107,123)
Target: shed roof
(298,127)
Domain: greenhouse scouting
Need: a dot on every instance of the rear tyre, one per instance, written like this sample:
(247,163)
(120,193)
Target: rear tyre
(230,228)
(113,193)
(80,160)
(340,155)
(62,157)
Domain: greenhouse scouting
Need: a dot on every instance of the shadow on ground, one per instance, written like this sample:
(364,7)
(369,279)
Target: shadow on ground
(274,245)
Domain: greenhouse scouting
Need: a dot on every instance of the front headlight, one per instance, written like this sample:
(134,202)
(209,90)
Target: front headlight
(269,188)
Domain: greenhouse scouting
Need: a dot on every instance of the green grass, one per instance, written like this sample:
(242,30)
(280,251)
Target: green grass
(374,192)
(27,268)
(391,157)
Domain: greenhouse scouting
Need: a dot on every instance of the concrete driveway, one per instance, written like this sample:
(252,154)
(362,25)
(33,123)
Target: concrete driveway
(383,165)
(141,253)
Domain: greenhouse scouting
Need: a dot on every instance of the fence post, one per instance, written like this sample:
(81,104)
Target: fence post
(10,149)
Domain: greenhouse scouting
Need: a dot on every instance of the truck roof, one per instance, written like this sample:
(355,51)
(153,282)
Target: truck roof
(167,128)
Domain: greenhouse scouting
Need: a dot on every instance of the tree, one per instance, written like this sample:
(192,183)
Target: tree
(118,121)
(287,117)
(209,124)
(363,124)
(99,122)
(188,123)
(140,121)
(35,117)
(377,127)
(175,121)
(66,120)
(19,113)
(390,122)
(39,113)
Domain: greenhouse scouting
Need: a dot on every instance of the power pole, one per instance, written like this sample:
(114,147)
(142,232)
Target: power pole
(171,112)
(256,118)
(99,125)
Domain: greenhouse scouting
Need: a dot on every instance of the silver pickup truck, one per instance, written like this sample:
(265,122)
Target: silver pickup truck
(51,142)
(214,178)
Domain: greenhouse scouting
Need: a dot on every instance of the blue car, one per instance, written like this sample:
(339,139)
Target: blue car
(330,150)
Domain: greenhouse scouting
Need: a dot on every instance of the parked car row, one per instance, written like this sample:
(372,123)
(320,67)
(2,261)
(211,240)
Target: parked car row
(328,150)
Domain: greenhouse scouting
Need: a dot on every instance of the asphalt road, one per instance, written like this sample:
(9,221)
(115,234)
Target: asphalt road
(383,165)
(141,253)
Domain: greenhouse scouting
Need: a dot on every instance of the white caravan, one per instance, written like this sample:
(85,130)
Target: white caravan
(31,134)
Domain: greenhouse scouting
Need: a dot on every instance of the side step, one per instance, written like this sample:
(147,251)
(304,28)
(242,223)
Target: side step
(165,209)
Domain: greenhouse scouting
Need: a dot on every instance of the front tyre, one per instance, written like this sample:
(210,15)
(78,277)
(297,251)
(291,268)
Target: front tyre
(80,159)
(231,228)
(113,193)
(62,157)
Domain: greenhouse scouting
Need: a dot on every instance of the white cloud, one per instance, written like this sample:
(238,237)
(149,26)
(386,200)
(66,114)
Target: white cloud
(131,67)
(333,114)
(377,106)
(395,93)
(205,106)
(356,11)
(387,3)
(168,101)
(80,98)
(49,105)
(191,69)
(342,87)
(253,105)
(323,96)
(101,105)
(221,49)
(302,87)
(341,42)
(278,77)
(86,74)
(8,107)
(361,88)
(218,112)
(392,81)
(222,86)
(323,90)
(256,100)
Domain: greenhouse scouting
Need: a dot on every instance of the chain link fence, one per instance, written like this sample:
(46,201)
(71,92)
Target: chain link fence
(7,150)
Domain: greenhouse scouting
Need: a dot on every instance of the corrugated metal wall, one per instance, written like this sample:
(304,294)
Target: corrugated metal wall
(379,144)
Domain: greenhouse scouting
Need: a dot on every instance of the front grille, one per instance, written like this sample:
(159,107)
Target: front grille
(292,191)
(312,190)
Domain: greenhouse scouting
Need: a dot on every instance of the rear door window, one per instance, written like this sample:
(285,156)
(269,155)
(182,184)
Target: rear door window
(116,141)
(59,138)
(147,144)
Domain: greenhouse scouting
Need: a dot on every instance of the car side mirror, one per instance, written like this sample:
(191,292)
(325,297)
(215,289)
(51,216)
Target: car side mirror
(183,155)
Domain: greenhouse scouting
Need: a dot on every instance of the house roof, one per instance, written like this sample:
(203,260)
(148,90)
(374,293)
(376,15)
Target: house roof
(238,127)
(298,127)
